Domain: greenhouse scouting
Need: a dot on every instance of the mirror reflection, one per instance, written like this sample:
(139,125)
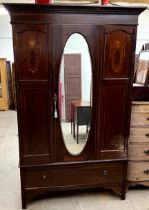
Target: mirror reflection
(0,86)
(75,93)
(142,74)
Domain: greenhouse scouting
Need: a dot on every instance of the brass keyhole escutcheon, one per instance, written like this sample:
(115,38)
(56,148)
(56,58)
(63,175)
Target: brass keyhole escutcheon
(44,177)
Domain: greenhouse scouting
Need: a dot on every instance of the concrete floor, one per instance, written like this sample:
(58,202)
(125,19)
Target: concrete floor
(10,199)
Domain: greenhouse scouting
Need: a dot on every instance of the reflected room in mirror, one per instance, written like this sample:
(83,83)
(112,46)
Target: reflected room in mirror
(75,93)
(142,70)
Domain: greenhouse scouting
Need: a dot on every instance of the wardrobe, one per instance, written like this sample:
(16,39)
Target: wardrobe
(40,34)
(5,85)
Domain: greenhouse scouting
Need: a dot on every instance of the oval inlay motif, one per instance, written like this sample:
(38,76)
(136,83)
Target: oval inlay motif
(117,51)
(32,55)
(117,56)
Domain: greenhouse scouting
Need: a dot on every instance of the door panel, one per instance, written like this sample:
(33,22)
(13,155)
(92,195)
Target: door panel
(114,117)
(91,34)
(34,124)
(34,92)
(118,52)
(32,52)
(115,92)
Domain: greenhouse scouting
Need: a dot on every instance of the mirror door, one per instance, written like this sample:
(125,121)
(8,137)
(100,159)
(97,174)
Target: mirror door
(74,85)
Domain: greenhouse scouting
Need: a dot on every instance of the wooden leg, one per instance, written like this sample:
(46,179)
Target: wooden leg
(23,193)
(23,200)
(23,205)
(74,130)
(123,191)
(124,184)
(87,129)
(71,126)
(123,196)
(77,133)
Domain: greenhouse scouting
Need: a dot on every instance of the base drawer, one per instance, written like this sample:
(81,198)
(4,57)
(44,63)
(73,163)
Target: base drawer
(75,175)
(138,171)
(138,152)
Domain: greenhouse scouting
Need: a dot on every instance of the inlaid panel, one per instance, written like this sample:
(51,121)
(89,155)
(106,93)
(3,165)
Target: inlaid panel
(117,53)
(114,117)
(35,123)
(32,52)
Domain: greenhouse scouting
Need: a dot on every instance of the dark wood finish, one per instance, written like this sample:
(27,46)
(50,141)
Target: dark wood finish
(40,33)
(140,93)
(14,86)
(97,173)
(118,45)
(32,44)
(90,33)
(35,124)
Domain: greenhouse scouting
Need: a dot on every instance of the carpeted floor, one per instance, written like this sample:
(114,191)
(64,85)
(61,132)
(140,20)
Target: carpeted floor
(10,196)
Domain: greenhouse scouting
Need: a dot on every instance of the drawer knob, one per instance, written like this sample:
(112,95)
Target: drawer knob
(146,152)
(105,172)
(146,171)
(147,118)
(44,177)
(147,135)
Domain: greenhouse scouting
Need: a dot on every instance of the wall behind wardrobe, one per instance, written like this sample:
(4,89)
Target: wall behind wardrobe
(6,49)
(143,30)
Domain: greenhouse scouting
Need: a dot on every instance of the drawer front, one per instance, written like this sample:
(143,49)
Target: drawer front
(138,171)
(139,119)
(138,152)
(139,135)
(140,107)
(75,176)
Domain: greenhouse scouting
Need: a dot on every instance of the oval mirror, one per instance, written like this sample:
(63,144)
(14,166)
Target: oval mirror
(75,93)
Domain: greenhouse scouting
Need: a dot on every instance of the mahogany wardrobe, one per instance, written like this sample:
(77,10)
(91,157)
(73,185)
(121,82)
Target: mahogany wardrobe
(40,35)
